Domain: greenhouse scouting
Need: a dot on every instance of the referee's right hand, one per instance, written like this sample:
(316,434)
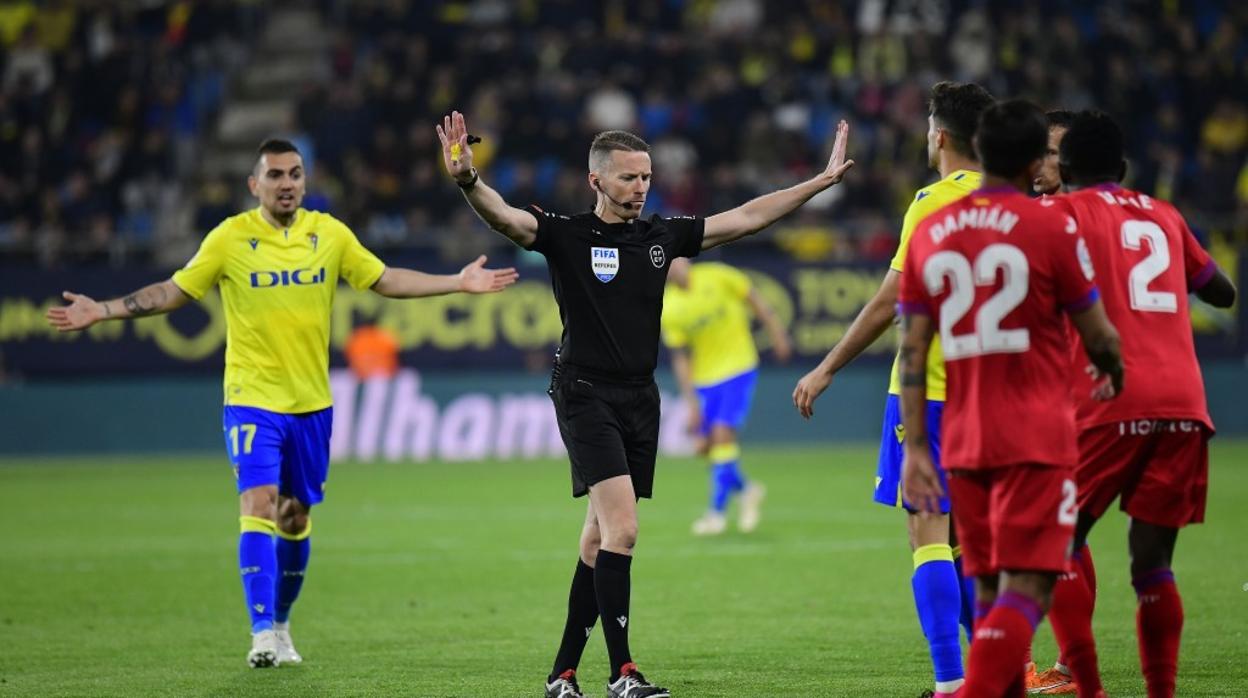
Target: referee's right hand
(456,152)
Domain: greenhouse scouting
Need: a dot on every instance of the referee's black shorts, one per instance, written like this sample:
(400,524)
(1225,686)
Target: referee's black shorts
(610,428)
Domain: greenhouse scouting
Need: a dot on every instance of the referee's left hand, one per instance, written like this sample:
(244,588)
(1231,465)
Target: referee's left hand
(837,164)
(475,278)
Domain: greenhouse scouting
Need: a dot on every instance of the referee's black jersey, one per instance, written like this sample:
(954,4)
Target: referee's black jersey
(608,280)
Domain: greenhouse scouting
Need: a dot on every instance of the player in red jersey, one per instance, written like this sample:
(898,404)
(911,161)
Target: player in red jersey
(1048,181)
(995,272)
(1150,445)
(1058,679)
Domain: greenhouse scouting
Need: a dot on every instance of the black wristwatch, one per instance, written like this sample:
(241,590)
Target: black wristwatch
(470,183)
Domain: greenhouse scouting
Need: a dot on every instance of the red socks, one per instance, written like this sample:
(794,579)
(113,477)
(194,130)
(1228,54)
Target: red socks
(1159,623)
(1071,618)
(1083,558)
(1001,641)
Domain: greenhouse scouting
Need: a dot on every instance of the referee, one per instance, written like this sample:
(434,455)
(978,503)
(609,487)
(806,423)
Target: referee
(608,269)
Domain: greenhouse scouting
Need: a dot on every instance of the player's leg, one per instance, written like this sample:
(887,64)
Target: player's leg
(1033,514)
(257,560)
(966,584)
(1108,461)
(724,455)
(936,584)
(752,491)
(304,471)
(294,547)
(582,613)
(1159,612)
(253,439)
(1071,618)
(1169,494)
(937,596)
(721,462)
(1003,635)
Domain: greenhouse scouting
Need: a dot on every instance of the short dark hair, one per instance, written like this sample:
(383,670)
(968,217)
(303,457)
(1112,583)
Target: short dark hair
(275,146)
(1059,118)
(1011,135)
(1092,150)
(608,141)
(956,107)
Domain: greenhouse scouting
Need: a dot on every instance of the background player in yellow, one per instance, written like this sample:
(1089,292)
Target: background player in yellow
(707,326)
(942,598)
(278,266)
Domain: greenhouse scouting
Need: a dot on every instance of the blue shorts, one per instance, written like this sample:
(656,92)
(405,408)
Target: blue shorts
(888,472)
(727,403)
(287,450)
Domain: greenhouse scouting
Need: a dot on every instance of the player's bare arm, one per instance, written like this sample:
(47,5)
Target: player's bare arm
(872,321)
(754,215)
(473,278)
(780,344)
(1100,340)
(919,482)
(84,311)
(1218,291)
(518,225)
(681,369)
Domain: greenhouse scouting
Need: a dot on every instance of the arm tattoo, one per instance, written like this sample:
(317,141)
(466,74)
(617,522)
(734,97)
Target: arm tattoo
(108,312)
(911,376)
(145,302)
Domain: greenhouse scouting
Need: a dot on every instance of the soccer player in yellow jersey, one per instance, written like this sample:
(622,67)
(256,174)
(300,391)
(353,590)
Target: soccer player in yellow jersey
(707,326)
(278,266)
(941,596)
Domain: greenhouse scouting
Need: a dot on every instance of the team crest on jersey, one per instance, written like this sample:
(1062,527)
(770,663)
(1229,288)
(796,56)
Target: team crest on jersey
(605,261)
(657,256)
(312,237)
(253,242)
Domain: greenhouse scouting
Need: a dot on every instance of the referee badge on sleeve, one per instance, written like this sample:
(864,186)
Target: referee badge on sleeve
(605,261)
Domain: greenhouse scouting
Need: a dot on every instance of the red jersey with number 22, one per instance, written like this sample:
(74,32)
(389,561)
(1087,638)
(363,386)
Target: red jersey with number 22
(995,271)
(1147,261)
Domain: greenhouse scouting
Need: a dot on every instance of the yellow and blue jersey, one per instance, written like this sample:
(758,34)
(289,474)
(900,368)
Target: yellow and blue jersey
(928,200)
(711,320)
(277,287)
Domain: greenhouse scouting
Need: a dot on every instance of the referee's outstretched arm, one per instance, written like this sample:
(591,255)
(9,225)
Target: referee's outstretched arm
(518,225)
(754,215)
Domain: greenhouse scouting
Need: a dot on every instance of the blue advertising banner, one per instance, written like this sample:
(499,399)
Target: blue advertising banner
(516,329)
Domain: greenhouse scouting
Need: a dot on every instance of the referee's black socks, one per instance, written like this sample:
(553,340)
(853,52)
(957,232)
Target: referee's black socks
(611,584)
(582,614)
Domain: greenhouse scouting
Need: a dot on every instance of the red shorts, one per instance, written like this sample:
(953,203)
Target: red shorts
(1019,517)
(1160,467)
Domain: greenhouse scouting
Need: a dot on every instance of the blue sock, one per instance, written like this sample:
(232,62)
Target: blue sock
(292,561)
(726,478)
(938,599)
(967,619)
(257,561)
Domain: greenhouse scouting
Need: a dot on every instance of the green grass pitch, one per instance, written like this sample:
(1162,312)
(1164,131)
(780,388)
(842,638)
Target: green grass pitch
(119,578)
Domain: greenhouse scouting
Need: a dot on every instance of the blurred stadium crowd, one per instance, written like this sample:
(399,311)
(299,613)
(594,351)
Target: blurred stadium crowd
(105,111)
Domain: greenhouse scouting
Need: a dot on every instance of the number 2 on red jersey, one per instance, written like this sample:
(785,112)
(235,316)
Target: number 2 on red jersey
(1149,268)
